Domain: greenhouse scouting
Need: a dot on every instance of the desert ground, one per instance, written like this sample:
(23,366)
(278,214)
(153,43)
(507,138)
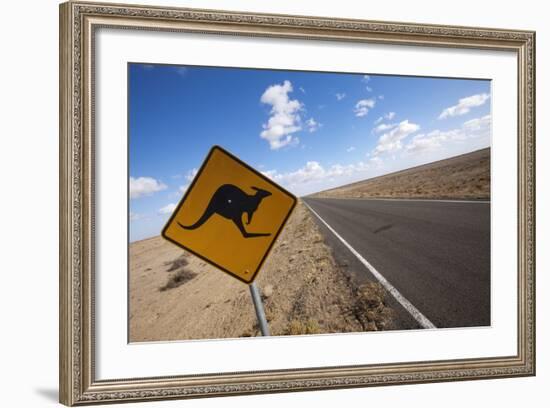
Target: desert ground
(176,296)
(467,176)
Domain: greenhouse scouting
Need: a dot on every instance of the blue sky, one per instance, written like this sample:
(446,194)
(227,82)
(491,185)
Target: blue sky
(307,131)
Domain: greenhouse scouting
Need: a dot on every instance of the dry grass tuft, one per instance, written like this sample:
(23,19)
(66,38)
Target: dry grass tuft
(181,274)
(179,278)
(177,263)
(297,327)
(370,309)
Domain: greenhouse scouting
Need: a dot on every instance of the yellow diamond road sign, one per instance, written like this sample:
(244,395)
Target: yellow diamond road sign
(230,215)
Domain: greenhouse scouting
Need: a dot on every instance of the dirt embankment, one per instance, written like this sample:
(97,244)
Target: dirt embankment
(467,176)
(176,296)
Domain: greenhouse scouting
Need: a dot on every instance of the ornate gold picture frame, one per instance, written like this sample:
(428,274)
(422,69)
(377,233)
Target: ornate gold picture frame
(79,22)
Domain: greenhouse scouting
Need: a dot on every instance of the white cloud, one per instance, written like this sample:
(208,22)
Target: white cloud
(313,176)
(392,140)
(387,116)
(340,96)
(312,125)
(284,120)
(182,71)
(167,209)
(362,107)
(135,216)
(302,90)
(381,97)
(271,174)
(184,188)
(144,186)
(337,170)
(313,172)
(350,149)
(366,79)
(383,127)
(191,174)
(479,128)
(482,124)
(377,161)
(429,142)
(464,105)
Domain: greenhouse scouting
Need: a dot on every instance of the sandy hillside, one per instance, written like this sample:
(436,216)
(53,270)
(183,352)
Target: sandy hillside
(175,295)
(467,176)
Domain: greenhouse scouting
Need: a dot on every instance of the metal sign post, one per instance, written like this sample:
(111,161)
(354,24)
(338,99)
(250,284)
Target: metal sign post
(208,221)
(258,305)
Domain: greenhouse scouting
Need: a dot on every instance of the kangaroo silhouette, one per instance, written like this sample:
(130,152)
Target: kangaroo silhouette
(231,202)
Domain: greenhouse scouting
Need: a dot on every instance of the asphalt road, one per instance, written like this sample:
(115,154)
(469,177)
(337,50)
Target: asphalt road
(435,253)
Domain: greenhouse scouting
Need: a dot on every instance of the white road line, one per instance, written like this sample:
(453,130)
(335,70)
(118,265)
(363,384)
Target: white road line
(414,312)
(410,199)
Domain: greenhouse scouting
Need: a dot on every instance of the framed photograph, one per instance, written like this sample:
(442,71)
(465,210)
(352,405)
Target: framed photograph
(256,203)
